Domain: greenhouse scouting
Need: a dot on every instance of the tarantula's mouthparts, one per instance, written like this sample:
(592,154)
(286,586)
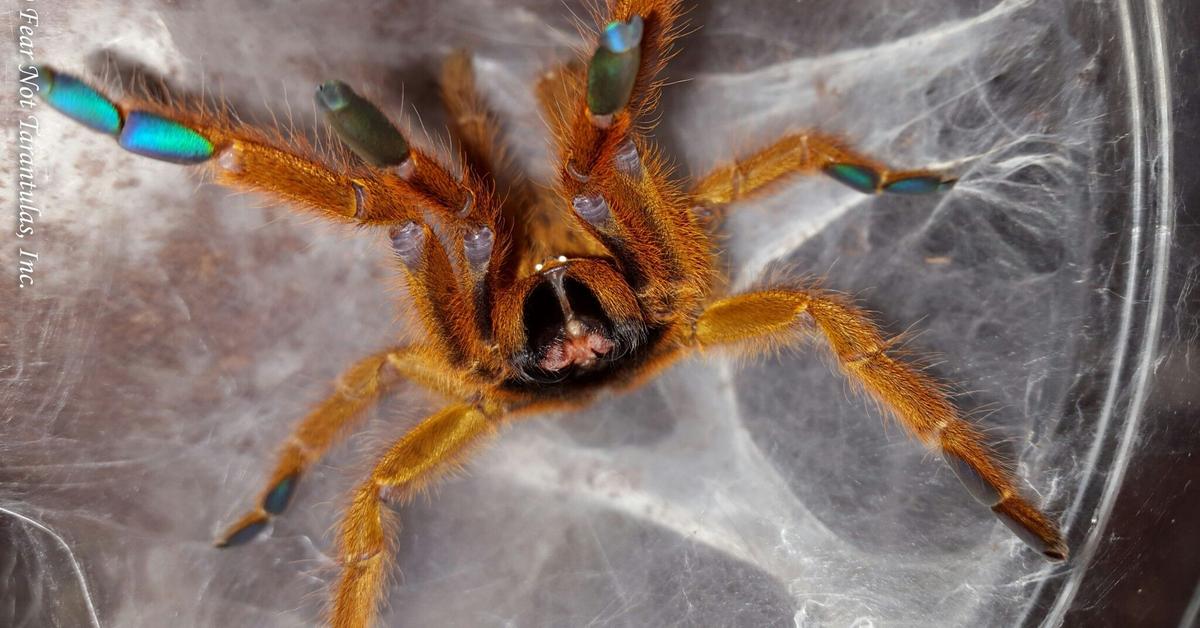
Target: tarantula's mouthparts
(582,345)
(568,330)
(578,324)
(566,324)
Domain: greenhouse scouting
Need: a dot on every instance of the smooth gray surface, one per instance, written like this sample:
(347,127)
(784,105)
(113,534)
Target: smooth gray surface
(176,332)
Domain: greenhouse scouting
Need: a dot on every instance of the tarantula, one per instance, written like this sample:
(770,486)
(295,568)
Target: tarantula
(532,303)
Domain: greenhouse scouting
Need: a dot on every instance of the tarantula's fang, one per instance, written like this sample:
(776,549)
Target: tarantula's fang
(75,99)
(361,125)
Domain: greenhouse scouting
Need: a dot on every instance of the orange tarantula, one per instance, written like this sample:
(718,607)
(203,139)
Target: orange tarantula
(532,302)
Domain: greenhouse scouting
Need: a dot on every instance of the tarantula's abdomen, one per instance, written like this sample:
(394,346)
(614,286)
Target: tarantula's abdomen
(575,320)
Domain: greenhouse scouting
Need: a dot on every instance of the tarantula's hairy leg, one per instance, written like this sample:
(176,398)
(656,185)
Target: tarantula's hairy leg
(452,304)
(452,286)
(466,206)
(438,445)
(357,389)
(477,129)
(614,180)
(808,152)
(474,125)
(236,154)
(547,234)
(773,318)
(395,188)
(392,188)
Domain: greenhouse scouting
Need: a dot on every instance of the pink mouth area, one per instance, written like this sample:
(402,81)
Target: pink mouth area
(582,350)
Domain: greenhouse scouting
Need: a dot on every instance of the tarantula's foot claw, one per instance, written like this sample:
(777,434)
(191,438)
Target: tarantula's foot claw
(244,530)
(1056,553)
(920,184)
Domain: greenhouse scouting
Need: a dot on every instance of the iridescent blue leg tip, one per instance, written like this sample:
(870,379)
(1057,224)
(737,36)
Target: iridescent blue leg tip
(154,136)
(277,500)
(925,184)
(860,178)
(244,532)
(76,100)
(621,37)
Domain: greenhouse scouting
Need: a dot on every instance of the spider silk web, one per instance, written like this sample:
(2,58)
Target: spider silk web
(176,332)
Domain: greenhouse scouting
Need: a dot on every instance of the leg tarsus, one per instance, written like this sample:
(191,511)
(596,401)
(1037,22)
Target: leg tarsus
(357,389)
(245,530)
(289,169)
(810,152)
(1032,527)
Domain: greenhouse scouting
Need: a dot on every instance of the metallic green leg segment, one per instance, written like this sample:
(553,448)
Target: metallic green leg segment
(861,178)
(277,500)
(614,67)
(139,132)
(919,185)
(246,533)
(868,181)
(156,137)
(361,125)
(78,101)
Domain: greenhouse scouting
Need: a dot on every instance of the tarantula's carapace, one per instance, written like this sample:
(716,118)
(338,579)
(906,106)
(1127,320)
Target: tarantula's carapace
(534,300)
